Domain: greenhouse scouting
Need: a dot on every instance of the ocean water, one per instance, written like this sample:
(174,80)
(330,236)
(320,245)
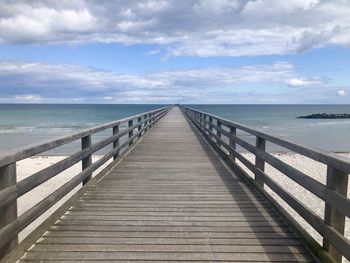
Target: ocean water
(23,124)
(281,120)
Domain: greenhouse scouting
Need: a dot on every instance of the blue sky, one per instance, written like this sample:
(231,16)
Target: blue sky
(187,51)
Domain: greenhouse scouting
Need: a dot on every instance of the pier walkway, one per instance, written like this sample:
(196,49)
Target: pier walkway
(174,193)
(171,199)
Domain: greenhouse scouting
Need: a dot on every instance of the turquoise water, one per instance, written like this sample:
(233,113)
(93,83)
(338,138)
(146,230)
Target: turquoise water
(332,135)
(23,124)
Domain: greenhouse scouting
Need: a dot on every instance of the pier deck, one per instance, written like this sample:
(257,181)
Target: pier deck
(172,198)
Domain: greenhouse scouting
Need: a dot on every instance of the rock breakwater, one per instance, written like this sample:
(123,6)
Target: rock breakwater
(326,116)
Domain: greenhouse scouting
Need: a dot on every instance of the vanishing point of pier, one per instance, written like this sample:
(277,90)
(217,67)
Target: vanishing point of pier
(174,193)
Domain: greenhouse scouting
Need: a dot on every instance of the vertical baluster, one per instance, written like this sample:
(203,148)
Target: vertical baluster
(218,133)
(337,180)
(87,161)
(8,214)
(116,142)
(210,125)
(131,132)
(233,132)
(150,120)
(145,122)
(260,163)
(205,123)
(140,126)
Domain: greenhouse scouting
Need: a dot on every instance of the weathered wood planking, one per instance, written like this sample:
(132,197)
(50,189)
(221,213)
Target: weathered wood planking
(172,199)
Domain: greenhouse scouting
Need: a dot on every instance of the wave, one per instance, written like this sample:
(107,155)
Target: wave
(329,123)
(47,129)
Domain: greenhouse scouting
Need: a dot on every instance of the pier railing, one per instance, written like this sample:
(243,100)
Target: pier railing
(222,134)
(10,190)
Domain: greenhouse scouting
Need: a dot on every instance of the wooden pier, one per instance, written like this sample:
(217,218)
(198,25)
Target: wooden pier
(173,194)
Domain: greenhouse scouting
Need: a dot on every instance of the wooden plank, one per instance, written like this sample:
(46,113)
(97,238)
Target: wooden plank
(103,219)
(157,234)
(8,214)
(87,161)
(259,162)
(169,248)
(208,214)
(171,241)
(116,141)
(336,180)
(196,256)
(209,225)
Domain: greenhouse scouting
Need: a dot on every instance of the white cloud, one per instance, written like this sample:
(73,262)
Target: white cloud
(40,82)
(193,27)
(298,82)
(31,23)
(153,52)
(27,98)
(342,92)
(20,74)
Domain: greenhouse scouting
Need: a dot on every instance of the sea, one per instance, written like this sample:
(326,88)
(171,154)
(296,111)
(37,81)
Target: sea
(25,124)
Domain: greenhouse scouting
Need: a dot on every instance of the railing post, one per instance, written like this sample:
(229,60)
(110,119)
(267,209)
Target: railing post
(139,119)
(150,120)
(210,125)
(131,133)
(116,142)
(233,132)
(337,180)
(260,163)
(8,214)
(218,133)
(145,122)
(87,161)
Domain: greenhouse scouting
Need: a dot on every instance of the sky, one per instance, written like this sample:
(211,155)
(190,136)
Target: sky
(175,51)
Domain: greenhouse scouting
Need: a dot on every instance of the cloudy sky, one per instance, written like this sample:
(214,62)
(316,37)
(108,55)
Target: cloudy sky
(165,51)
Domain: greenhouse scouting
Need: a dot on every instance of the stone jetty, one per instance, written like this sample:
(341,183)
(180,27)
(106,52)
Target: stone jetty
(326,116)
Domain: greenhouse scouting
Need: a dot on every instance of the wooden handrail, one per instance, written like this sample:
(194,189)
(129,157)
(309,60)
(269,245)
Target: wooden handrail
(321,156)
(11,190)
(334,193)
(44,146)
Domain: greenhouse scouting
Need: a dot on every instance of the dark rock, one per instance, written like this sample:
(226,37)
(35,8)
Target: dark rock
(326,116)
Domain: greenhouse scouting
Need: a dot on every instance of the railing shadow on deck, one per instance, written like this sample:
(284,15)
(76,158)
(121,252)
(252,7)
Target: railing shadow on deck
(10,190)
(226,177)
(334,193)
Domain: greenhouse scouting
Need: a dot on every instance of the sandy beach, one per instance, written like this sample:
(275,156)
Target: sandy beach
(312,168)
(32,165)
